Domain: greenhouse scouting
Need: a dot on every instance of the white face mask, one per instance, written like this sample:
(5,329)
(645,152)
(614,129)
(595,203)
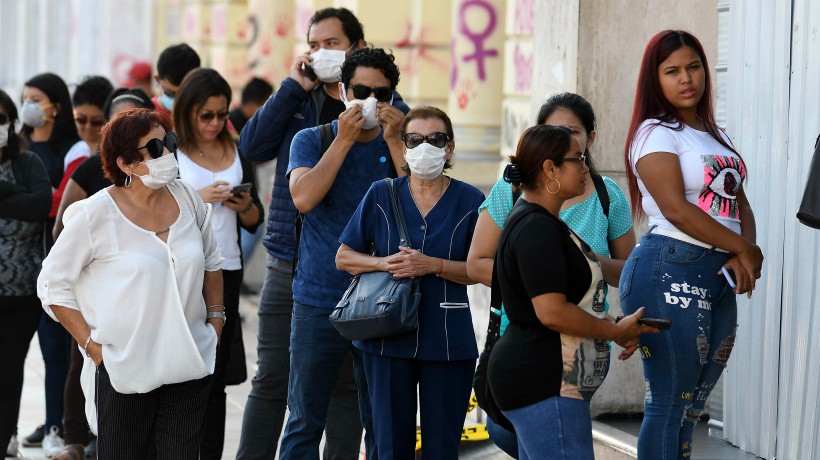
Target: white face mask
(32,114)
(161,171)
(426,161)
(327,64)
(4,135)
(369,109)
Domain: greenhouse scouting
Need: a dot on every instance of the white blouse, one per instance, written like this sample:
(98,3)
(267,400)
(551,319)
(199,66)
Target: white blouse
(141,297)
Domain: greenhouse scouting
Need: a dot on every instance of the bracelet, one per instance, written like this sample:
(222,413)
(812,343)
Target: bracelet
(85,347)
(247,209)
(440,266)
(217,314)
(222,307)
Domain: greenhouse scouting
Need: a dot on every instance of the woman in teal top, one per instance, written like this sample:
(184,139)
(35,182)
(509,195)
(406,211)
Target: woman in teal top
(611,238)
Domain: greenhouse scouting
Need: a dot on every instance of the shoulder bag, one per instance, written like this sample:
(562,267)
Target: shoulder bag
(376,304)
(809,212)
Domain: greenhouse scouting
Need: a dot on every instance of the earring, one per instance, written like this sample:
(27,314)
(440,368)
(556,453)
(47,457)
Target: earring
(548,186)
(127,181)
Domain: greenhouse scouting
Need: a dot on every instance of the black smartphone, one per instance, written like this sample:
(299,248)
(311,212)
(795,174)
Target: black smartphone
(309,72)
(662,324)
(241,188)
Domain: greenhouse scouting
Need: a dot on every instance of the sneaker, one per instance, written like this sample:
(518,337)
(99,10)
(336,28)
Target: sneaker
(91,449)
(35,439)
(71,452)
(52,443)
(13,450)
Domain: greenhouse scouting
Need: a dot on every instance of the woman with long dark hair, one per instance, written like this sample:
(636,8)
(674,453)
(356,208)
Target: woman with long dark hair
(210,161)
(686,176)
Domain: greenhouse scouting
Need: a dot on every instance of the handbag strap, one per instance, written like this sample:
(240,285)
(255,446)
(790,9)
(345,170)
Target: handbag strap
(404,237)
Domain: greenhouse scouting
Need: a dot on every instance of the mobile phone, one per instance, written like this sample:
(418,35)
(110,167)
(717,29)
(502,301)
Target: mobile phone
(309,72)
(240,188)
(662,324)
(729,278)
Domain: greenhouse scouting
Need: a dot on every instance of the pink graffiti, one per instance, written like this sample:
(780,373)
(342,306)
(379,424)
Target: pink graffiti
(523,70)
(465,93)
(524,16)
(480,53)
(417,51)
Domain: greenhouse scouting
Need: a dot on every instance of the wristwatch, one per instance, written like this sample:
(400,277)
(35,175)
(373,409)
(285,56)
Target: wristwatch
(217,314)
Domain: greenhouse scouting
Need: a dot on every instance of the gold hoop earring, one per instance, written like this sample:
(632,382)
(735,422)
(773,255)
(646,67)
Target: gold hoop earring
(548,187)
(127,181)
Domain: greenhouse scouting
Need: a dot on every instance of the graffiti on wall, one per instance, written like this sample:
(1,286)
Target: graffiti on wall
(523,17)
(475,57)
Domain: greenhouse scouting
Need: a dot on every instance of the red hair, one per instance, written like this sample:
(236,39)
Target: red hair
(121,135)
(651,103)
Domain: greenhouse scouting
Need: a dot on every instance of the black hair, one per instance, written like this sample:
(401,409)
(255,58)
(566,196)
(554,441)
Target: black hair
(176,61)
(257,90)
(135,96)
(537,145)
(93,90)
(15,143)
(375,58)
(351,26)
(580,107)
(65,130)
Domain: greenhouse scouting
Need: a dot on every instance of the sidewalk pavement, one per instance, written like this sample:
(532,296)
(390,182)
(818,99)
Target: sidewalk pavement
(32,409)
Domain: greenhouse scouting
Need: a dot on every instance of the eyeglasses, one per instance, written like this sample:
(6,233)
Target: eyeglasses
(155,146)
(580,159)
(95,122)
(363,92)
(413,140)
(3,118)
(206,117)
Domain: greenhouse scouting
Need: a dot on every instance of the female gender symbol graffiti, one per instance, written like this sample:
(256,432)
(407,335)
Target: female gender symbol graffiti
(480,53)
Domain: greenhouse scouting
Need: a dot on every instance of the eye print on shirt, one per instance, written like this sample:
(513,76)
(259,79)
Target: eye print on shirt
(722,178)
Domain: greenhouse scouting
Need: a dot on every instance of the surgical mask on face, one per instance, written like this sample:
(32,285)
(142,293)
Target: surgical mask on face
(32,114)
(161,171)
(369,109)
(327,64)
(167,101)
(4,134)
(426,161)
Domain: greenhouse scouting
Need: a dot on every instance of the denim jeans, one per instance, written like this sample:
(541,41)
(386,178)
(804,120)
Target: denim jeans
(265,410)
(556,428)
(318,353)
(504,439)
(55,345)
(680,282)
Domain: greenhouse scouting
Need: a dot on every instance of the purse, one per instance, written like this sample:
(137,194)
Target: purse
(809,212)
(376,304)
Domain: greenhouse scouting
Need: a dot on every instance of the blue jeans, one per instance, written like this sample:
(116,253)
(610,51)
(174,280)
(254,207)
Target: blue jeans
(556,428)
(317,353)
(504,439)
(265,410)
(680,282)
(55,345)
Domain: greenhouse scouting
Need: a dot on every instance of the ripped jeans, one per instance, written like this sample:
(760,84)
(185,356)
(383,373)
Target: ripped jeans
(680,282)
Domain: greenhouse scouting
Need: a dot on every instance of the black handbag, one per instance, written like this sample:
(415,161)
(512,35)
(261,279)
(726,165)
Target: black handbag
(809,212)
(376,304)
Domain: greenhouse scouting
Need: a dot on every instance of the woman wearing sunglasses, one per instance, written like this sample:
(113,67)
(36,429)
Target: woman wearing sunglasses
(438,360)
(135,278)
(209,160)
(25,199)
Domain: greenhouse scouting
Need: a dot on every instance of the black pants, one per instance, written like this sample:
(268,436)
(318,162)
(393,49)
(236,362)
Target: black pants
(20,315)
(214,439)
(166,423)
(75,425)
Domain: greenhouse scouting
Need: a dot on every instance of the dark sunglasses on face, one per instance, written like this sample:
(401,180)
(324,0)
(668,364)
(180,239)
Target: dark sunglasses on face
(95,122)
(363,92)
(3,118)
(413,140)
(206,117)
(155,146)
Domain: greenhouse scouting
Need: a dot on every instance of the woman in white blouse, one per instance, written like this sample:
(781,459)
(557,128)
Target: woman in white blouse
(209,161)
(135,278)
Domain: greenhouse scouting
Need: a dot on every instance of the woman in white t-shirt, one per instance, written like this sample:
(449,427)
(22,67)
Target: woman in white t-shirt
(685,175)
(209,160)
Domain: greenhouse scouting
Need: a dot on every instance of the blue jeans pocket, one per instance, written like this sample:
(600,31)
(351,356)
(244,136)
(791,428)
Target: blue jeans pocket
(625,284)
(683,253)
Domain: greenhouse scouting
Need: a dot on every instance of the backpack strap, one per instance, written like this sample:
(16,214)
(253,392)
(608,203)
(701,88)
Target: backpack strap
(603,195)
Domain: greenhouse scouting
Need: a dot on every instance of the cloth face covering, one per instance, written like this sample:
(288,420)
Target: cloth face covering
(4,134)
(32,114)
(426,161)
(369,109)
(327,64)
(161,171)
(167,101)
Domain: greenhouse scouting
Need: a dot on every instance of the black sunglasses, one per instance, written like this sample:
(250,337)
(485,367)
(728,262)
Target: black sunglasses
(363,92)
(206,117)
(155,146)
(413,140)
(3,118)
(96,122)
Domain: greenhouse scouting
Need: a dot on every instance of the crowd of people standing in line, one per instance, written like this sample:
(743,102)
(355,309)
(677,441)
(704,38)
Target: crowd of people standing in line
(128,201)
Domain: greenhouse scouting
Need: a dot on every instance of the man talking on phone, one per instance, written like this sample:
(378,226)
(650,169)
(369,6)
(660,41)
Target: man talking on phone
(308,97)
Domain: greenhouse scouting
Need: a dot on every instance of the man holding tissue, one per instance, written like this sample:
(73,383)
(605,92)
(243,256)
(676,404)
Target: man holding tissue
(327,187)
(308,97)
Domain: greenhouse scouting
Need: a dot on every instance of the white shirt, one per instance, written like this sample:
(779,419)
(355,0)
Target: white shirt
(712,174)
(77,151)
(224,218)
(141,297)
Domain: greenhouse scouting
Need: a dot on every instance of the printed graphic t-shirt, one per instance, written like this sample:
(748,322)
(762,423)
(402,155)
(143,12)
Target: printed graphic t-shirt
(712,174)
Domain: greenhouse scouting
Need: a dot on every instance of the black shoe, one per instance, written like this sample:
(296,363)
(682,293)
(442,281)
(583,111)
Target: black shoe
(91,449)
(35,439)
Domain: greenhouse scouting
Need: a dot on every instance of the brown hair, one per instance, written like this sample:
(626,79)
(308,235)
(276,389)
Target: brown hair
(425,113)
(199,85)
(121,136)
(537,145)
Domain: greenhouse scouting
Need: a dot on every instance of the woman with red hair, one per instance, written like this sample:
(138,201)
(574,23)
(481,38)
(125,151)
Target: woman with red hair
(686,176)
(135,278)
